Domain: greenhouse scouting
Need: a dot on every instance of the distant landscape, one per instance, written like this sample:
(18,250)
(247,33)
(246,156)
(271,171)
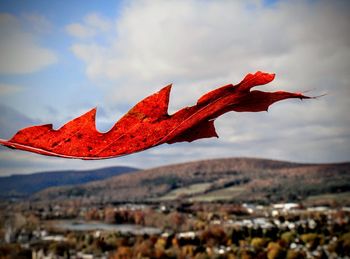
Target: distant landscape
(231,180)
(222,208)
(21,186)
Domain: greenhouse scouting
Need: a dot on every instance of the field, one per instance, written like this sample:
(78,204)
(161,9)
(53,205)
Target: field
(189,190)
(329,198)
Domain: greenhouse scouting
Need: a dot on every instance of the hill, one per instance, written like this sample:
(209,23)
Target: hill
(233,179)
(18,186)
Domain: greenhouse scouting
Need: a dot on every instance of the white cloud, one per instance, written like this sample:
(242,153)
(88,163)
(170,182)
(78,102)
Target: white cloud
(193,41)
(19,51)
(80,31)
(97,21)
(199,45)
(92,25)
(37,23)
(6,89)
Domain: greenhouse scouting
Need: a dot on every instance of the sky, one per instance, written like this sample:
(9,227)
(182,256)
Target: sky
(59,59)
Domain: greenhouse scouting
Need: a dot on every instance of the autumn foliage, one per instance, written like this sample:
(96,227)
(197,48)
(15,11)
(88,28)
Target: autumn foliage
(148,123)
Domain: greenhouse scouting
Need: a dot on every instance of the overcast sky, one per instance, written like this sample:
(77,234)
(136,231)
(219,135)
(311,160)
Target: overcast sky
(59,59)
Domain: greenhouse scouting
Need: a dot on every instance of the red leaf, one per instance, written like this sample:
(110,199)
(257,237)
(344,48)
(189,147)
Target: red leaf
(148,124)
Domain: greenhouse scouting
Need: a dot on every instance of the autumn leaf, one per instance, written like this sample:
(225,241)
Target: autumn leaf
(148,123)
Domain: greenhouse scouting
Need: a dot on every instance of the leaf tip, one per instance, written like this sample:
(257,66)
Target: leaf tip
(167,88)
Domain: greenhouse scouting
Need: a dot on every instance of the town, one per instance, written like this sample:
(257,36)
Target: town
(173,230)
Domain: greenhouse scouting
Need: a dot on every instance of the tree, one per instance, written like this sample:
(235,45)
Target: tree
(275,251)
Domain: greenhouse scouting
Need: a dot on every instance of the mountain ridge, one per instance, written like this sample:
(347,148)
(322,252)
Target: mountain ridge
(22,185)
(228,179)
